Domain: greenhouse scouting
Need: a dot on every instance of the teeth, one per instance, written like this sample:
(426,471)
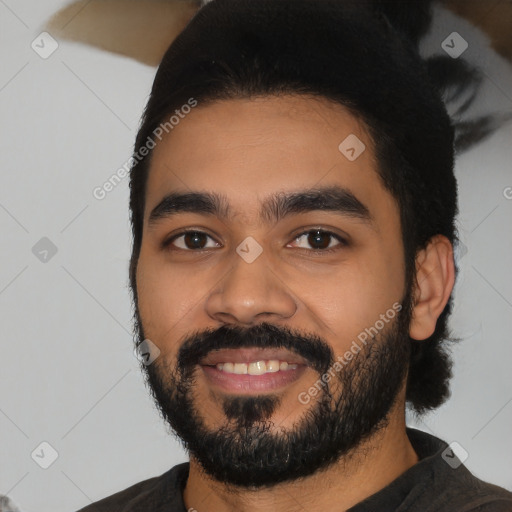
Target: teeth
(256,367)
(272,366)
(240,368)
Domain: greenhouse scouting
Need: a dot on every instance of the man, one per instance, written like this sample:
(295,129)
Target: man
(293,205)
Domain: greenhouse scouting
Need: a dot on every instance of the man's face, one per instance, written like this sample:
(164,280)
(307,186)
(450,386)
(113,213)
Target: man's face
(298,281)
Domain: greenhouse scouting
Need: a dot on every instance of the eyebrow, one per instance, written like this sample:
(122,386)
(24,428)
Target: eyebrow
(333,199)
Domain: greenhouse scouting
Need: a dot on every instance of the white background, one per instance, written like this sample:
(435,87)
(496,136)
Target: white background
(67,370)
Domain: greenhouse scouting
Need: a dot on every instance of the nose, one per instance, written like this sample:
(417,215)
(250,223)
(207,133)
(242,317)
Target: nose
(251,293)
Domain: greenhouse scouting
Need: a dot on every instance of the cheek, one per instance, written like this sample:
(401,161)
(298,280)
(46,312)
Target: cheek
(355,296)
(165,300)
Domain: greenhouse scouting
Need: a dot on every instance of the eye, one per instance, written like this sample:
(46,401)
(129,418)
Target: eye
(321,240)
(195,240)
(190,241)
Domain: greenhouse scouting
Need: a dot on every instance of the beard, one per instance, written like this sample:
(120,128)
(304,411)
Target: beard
(248,450)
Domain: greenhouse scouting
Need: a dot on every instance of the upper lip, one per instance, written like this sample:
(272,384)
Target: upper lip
(248,355)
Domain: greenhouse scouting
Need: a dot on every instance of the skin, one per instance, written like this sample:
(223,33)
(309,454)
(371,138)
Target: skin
(247,150)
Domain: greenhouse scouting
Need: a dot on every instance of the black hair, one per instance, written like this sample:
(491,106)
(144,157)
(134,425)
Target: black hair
(362,55)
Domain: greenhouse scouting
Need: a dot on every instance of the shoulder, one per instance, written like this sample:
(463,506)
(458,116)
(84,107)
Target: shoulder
(495,506)
(480,496)
(463,491)
(154,492)
(466,491)
(444,483)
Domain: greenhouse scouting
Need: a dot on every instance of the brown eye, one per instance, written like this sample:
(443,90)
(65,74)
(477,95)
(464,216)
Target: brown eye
(190,241)
(320,240)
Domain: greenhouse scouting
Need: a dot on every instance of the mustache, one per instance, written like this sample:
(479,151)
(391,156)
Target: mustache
(311,347)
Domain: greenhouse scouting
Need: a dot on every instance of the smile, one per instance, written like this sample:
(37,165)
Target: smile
(256,367)
(258,376)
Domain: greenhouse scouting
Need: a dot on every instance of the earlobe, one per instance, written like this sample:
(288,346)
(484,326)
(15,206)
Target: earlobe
(434,281)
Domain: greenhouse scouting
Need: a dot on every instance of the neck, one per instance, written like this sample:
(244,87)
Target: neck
(368,469)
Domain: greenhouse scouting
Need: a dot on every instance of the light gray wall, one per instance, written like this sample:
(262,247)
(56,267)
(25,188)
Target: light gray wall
(68,374)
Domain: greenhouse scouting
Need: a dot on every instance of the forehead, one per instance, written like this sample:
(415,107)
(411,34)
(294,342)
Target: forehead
(249,149)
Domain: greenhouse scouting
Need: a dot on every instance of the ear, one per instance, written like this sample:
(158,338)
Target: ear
(435,278)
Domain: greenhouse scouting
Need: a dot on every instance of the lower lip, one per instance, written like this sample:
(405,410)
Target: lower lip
(246,384)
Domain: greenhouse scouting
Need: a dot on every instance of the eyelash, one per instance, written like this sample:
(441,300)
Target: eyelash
(342,241)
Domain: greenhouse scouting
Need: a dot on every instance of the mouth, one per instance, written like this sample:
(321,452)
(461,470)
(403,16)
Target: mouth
(245,371)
